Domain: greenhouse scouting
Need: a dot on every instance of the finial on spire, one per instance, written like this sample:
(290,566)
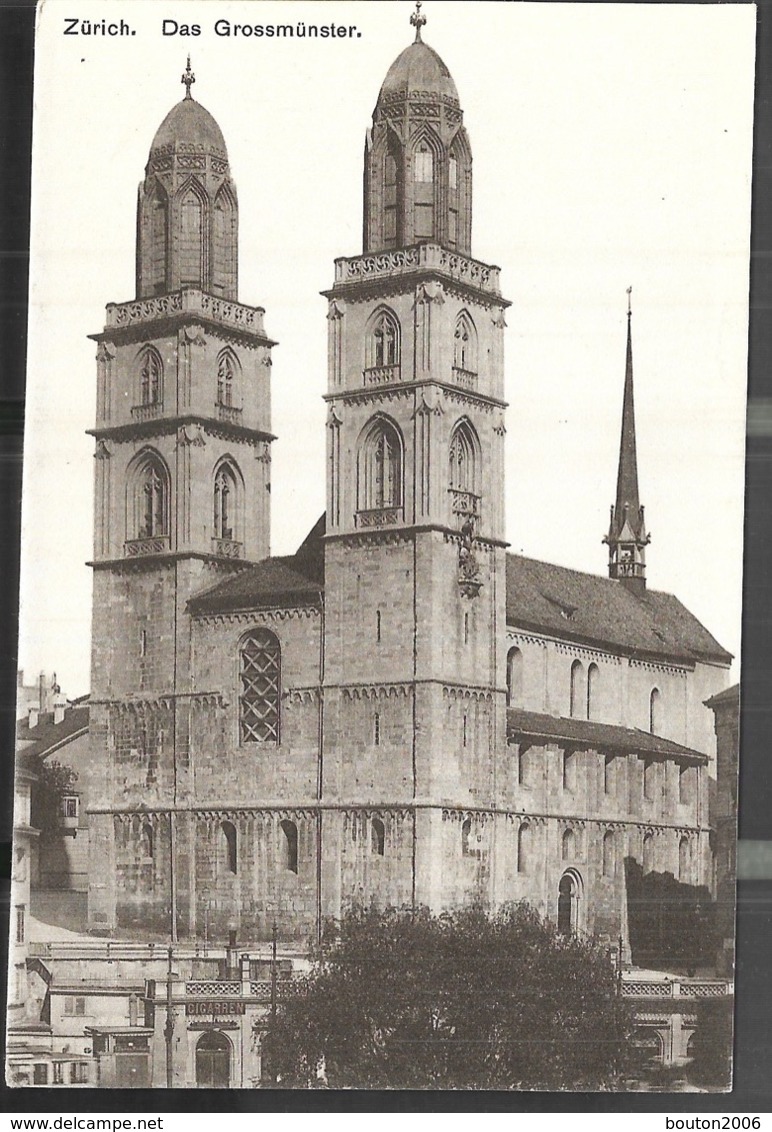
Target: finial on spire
(417,20)
(188,78)
(629,301)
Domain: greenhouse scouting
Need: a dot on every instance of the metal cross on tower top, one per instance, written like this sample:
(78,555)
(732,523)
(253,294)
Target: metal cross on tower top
(629,301)
(418,21)
(188,78)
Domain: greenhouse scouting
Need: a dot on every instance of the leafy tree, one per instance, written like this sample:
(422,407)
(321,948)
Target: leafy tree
(408,1000)
(54,782)
(711,1046)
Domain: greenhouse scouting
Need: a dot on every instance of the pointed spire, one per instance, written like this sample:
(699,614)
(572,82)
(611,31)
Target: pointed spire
(418,20)
(627,538)
(188,78)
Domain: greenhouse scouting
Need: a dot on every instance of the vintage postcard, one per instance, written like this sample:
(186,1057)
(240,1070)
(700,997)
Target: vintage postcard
(382,546)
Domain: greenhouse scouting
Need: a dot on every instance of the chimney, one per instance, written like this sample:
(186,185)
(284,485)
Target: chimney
(34,716)
(60,707)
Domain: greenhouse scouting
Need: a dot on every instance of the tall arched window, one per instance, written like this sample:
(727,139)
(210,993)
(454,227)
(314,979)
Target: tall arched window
(150,377)
(578,691)
(684,784)
(609,855)
(158,206)
(569,845)
(191,251)
(466,838)
(684,859)
(514,678)
(423,192)
(423,164)
(230,846)
(377,837)
(569,770)
(149,498)
(523,847)
(383,340)
(593,677)
(391,194)
(146,846)
(225,241)
(226,373)
(290,846)
(608,774)
(655,712)
(260,675)
(380,467)
(463,458)
(225,495)
(648,852)
(465,344)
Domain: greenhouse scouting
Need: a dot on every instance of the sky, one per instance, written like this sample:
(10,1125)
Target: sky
(612,148)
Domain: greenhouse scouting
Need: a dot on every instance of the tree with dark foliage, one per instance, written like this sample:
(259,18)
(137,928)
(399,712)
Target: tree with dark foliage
(465,1000)
(711,1046)
(54,781)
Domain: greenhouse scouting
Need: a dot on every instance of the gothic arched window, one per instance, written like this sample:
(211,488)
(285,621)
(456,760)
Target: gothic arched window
(150,377)
(225,492)
(150,502)
(377,837)
(224,249)
(260,689)
(191,236)
(465,344)
(290,846)
(226,372)
(158,205)
(424,192)
(463,458)
(380,467)
(383,342)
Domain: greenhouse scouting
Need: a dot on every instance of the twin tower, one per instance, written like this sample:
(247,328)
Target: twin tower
(405,693)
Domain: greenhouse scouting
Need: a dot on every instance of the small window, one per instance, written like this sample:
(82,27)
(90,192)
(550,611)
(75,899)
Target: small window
(79,1073)
(464,725)
(684,859)
(290,846)
(377,837)
(74,1006)
(143,642)
(230,846)
(609,857)
(58,1077)
(226,371)
(465,344)
(569,845)
(523,847)
(20,925)
(593,676)
(377,729)
(40,1074)
(69,806)
(224,503)
(378,625)
(146,844)
(467,849)
(150,377)
(648,852)
(578,703)
(514,678)
(655,712)
(466,628)
(524,759)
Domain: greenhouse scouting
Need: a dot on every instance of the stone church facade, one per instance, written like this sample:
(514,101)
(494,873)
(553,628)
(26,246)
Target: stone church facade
(401,711)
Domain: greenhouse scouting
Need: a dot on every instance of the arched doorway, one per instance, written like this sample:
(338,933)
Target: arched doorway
(213,1061)
(569,897)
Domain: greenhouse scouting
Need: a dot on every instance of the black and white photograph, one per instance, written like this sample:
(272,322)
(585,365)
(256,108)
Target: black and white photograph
(378,714)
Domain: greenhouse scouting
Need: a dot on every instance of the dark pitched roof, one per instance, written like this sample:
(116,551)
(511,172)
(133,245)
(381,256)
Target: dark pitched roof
(601,611)
(292,579)
(728,696)
(585,733)
(41,740)
(540,597)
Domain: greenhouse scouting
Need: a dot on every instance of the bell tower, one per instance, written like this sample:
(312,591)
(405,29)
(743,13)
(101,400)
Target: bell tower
(414,702)
(182,482)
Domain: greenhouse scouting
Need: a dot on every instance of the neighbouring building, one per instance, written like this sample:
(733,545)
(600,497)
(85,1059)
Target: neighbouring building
(726,710)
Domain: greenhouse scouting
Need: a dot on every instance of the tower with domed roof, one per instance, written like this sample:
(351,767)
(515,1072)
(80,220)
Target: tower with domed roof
(414,697)
(182,482)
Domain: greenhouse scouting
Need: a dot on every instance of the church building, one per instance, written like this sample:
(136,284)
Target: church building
(401,712)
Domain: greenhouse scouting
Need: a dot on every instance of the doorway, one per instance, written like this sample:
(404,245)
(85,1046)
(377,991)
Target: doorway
(213,1061)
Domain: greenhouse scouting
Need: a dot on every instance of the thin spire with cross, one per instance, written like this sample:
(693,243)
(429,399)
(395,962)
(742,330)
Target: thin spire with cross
(629,301)
(418,20)
(188,78)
